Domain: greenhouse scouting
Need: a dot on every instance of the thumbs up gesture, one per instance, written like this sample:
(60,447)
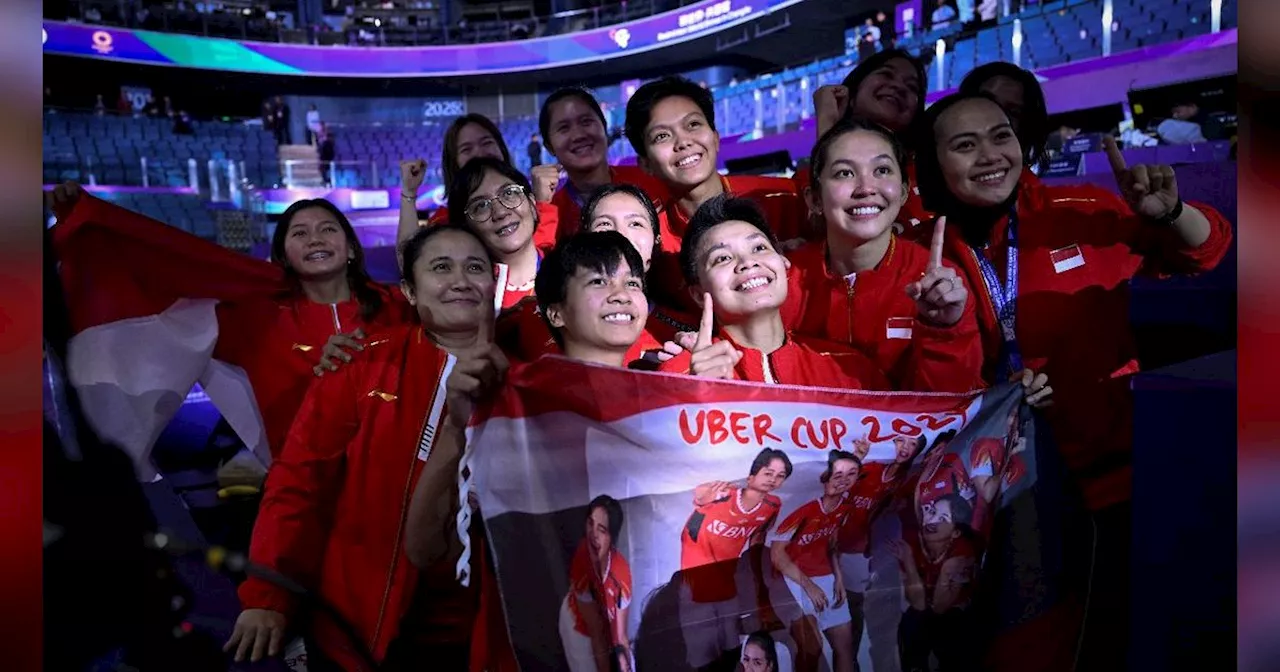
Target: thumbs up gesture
(940,294)
(545,178)
(1151,191)
(477,373)
(712,359)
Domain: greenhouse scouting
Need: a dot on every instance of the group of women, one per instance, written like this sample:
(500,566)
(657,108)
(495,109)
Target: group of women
(918,238)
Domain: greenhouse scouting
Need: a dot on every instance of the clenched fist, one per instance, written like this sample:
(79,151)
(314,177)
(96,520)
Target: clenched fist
(545,179)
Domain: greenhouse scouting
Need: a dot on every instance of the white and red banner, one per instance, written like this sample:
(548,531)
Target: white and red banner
(142,297)
(640,520)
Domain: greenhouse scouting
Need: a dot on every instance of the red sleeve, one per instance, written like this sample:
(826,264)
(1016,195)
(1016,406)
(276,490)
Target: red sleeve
(544,237)
(944,359)
(304,483)
(679,364)
(1165,254)
(438,216)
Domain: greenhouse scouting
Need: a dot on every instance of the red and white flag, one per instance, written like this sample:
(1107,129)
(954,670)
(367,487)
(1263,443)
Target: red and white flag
(142,296)
(662,486)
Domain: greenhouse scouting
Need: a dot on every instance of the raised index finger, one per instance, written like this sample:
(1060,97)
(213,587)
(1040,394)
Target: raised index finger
(706,325)
(1114,156)
(939,239)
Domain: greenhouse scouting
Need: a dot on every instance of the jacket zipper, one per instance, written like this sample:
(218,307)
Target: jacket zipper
(849,281)
(395,550)
(337,323)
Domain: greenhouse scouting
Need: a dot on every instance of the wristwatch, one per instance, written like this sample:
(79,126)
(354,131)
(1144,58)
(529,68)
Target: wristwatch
(1171,216)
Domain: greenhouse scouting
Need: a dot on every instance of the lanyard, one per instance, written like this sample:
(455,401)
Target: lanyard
(574,194)
(1004,299)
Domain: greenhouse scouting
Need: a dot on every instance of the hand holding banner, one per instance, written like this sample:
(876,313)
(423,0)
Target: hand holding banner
(680,479)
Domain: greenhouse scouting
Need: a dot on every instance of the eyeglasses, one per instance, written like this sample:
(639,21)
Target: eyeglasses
(511,196)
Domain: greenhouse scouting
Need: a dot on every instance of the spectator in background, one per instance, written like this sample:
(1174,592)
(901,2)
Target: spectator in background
(888,32)
(268,117)
(871,31)
(965,11)
(283,135)
(99,107)
(535,151)
(942,16)
(182,124)
(123,106)
(327,152)
(1183,125)
(313,125)
(866,46)
(168,108)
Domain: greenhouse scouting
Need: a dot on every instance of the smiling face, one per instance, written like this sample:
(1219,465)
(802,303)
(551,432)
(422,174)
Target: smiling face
(601,312)
(576,135)
(473,141)
(621,212)
(315,246)
(741,270)
(453,283)
(889,96)
(861,189)
(506,229)
(978,152)
(843,475)
(682,146)
(769,478)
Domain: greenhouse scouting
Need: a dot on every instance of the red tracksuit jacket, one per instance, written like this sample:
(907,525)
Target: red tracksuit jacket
(334,511)
(278,342)
(808,362)
(783,207)
(1072,320)
(873,313)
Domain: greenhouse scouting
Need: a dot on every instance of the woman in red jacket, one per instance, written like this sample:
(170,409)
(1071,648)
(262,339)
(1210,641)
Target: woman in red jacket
(892,298)
(314,290)
(1051,267)
(576,133)
(494,200)
(887,89)
(734,269)
(613,207)
(278,341)
(671,123)
(469,136)
(333,517)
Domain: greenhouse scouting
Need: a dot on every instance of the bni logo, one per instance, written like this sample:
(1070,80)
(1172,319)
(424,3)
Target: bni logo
(102,42)
(621,36)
